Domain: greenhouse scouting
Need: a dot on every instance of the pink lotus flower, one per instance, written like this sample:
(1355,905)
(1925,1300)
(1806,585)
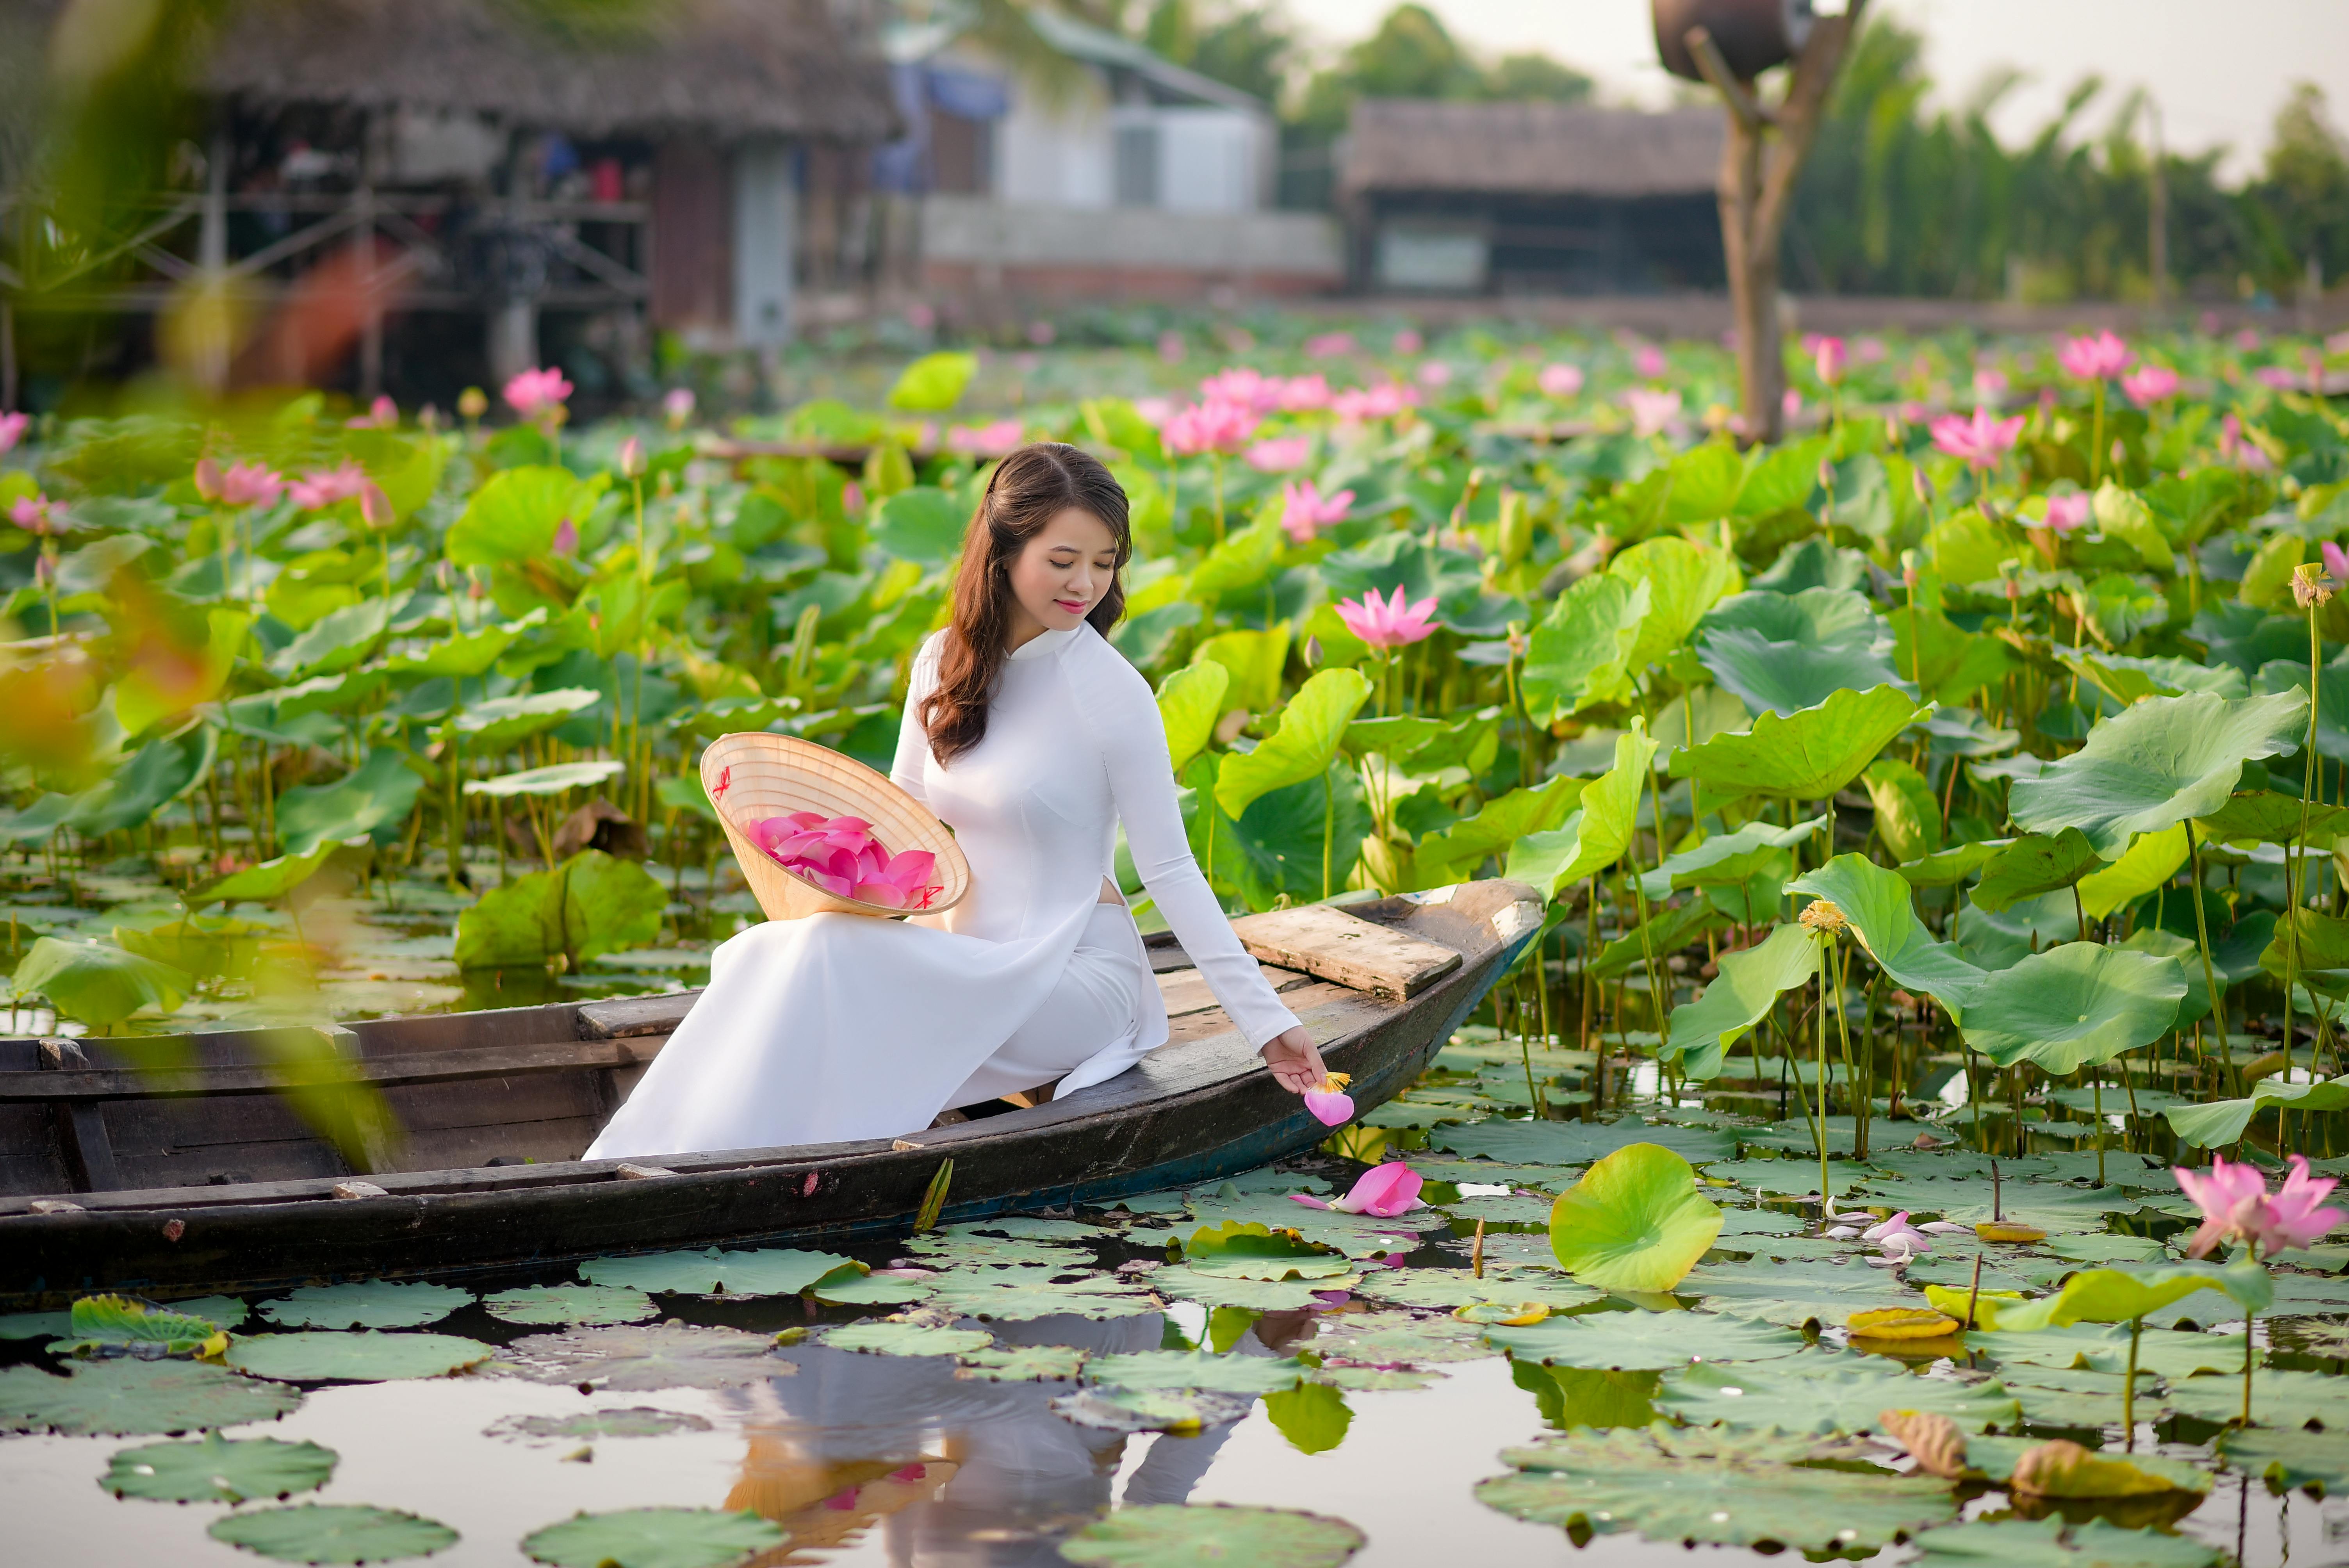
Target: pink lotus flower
(1790,404)
(1650,361)
(1434,373)
(1383,401)
(1561,381)
(566,538)
(1384,1192)
(1214,426)
(1982,440)
(1989,385)
(532,392)
(1299,393)
(1651,411)
(676,403)
(2150,384)
(2276,377)
(1831,359)
(1304,511)
(383,414)
(2065,512)
(2096,358)
(325,487)
(37,514)
(839,856)
(1282,455)
(2235,1206)
(1328,344)
(991,440)
(1385,623)
(239,484)
(2293,1220)
(1871,350)
(12,430)
(1409,342)
(2336,561)
(2238,448)
(1240,385)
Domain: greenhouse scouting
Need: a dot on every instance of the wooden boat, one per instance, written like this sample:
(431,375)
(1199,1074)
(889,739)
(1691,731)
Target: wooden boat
(171,1181)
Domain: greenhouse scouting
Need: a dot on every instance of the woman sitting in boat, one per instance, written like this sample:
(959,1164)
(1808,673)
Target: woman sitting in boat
(1031,737)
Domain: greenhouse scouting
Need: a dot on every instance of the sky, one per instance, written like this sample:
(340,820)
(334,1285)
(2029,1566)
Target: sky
(2219,69)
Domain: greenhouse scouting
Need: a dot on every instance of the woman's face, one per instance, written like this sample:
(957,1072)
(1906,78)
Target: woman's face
(1063,570)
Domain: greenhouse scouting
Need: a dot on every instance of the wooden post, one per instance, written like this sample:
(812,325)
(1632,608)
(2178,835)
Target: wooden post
(1757,189)
(363,267)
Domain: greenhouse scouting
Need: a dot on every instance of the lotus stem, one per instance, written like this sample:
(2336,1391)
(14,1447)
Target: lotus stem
(2295,869)
(2128,1390)
(2210,970)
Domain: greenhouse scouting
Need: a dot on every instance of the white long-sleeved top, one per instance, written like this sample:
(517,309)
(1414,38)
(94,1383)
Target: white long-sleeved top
(836,1028)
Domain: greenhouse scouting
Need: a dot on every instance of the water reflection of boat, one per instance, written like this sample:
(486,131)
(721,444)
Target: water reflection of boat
(116,1172)
(953,1470)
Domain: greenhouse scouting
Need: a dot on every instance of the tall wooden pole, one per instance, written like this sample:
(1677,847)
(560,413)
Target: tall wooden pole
(1760,163)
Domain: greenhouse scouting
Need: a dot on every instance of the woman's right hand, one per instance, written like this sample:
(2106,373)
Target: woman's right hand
(1295,1060)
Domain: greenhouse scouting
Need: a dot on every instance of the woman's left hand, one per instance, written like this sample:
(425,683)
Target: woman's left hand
(1295,1060)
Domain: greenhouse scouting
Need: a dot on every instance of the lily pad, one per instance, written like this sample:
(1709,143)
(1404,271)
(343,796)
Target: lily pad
(1177,1411)
(1017,1295)
(770,1271)
(1023,1363)
(1825,1393)
(1878,906)
(847,1289)
(638,1359)
(628,1421)
(1809,755)
(1216,1288)
(367,1304)
(1155,1534)
(1374,1380)
(1449,1288)
(323,1532)
(215,1469)
(1577,1143)
(2106,1349)
(1393,1338)
(1634,1221)
(2279,1398)
(125,1398)
(1644,1341)
(2076,1397)
(1740,1489)
(653,1538)
(886,1339)
(592,1304)
(106,1322)
(2155,763)
(326,1356)
(1195,1369)
(2053,1543)
(2287,1458)
(2074,1006)
(1750,983)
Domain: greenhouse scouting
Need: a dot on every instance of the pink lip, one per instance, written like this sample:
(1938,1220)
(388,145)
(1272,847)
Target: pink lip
(1072,605)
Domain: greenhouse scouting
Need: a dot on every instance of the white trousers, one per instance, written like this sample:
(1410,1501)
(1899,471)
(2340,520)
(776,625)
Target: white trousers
(1095,1005)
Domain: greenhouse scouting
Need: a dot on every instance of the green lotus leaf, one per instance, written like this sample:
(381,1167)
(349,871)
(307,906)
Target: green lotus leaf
(1711,1487)
(1750,983)
(2051,1543)
(1579,653)
(930,385)
(1644,1341)
(1195,1369)
(1578,1142)
(1683,580)
(956,1246)
(2270,816)
(1877,903)
(1634,1221)
(157,773)
(215,1469)
(126,1397)
(638,1359)
(109,1320)
(97,982)
(2154,764)
(1824,1392)
(2279,1398)
(2290,1458)
(653,1538)
(588,1304)
(2126,680)
(2068,1397)
(1302,748)
(1499,826)
(1949,662)
(1596,836)
(882,1338)
(1188,1284)
(2221,1122)
(923,523)
(870,1290)
(1807,756)
(549,780)
(1781,653)
(2074,1006)
(1313,1416)
(367,1304)
(1944,868)
(2168,1352)
(1017,1295)
(1181,1410)
(466,655)
(1023,1364)
(1152,1535)
(1446,1288)
(629,1421)
(368,1355)
(2150,862)
(375,796)
(487,727)
(1428,746)
(269,880)
(332,1533)
(2035,866)
(1190,700)
(2109,1296)
(334,641)
(1908,816)
(514,515)
(1725,860)
(769,1270)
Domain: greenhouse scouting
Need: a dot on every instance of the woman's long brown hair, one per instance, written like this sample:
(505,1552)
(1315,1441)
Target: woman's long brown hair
(1028,488)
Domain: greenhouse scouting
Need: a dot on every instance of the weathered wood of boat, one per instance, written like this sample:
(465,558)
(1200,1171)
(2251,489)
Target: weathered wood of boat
(114,1176)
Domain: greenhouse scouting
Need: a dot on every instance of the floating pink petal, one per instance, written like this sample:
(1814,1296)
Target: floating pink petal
(1330,1107)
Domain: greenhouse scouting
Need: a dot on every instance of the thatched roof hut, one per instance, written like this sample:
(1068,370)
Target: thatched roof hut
(727,67)
(1530,148)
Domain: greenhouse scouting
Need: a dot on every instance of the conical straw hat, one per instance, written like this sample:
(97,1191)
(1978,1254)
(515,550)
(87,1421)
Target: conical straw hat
(753,776)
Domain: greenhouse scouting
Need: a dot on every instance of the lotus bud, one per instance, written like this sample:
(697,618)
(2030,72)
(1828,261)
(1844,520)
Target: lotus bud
(1517,528)
(676,403)
(1909,569)
(375,507)
(566,538)
(2011,573)
(1312,652)
(1826,475)
(472,403)
(208,477)
(427,418)
(1923,486)
(632,459)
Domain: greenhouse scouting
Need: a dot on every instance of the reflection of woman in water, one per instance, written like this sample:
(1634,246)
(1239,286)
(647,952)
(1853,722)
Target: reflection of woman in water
(956,1468)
